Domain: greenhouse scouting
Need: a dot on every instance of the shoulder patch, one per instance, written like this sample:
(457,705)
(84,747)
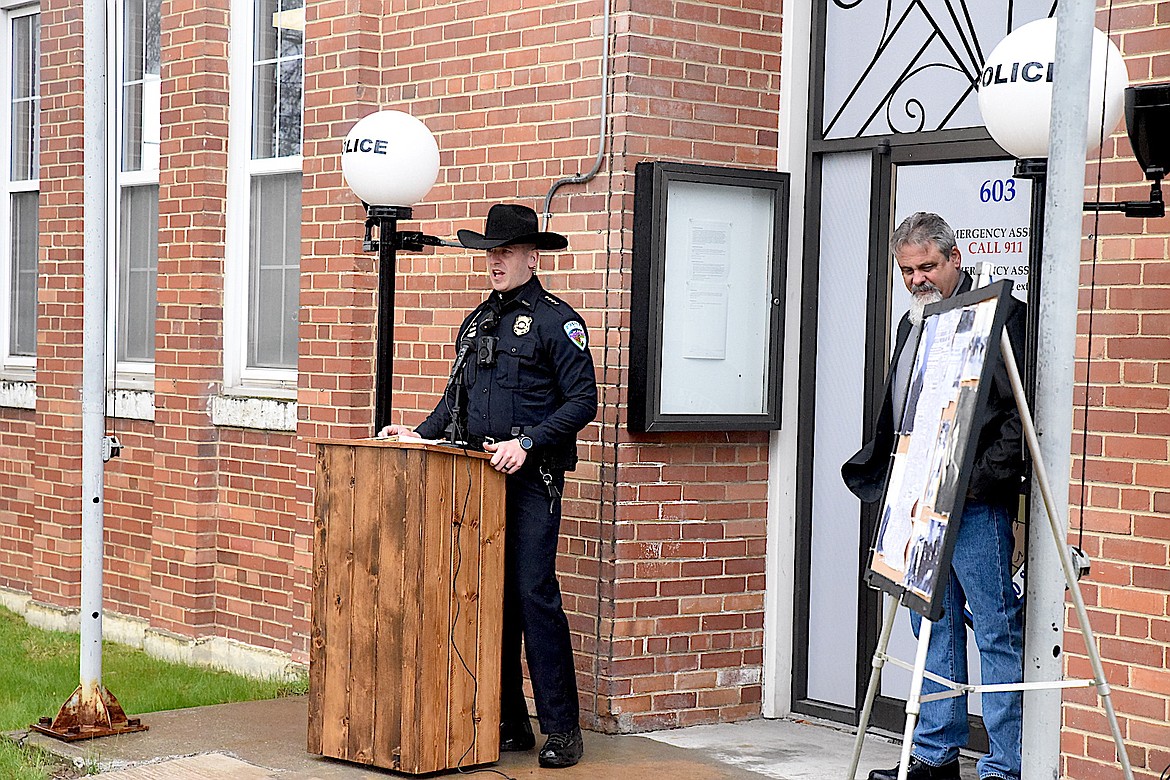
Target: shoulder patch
(576,333)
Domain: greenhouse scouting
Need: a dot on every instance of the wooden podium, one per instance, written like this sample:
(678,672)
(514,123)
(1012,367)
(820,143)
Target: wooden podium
(408,579)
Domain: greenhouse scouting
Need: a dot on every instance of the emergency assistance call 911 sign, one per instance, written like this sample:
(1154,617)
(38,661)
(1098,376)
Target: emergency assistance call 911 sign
(988,209)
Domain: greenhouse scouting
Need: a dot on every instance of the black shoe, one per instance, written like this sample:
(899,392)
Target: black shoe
(920,770)
(516,736)
(562,750)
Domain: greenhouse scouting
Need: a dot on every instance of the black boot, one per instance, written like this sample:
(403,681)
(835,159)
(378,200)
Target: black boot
(920,770)
(516,736)
(562,750)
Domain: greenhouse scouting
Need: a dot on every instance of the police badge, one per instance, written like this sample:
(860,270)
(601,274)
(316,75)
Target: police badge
(522,325)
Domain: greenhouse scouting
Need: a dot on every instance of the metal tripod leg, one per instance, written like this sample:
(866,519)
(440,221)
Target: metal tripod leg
(875,676)
(914,701)
(1061,543)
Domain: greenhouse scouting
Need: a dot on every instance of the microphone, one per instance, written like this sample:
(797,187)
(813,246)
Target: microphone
(460,360)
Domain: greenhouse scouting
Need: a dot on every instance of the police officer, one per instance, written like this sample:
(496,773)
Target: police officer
(523,387)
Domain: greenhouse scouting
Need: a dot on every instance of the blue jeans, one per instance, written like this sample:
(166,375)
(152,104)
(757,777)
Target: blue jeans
(981,574)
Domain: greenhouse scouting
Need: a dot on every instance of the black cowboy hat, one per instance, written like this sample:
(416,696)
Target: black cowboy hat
(509,223)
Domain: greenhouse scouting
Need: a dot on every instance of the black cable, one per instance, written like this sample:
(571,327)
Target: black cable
(463,771)
(454,385)
(1096,236)
(457,553)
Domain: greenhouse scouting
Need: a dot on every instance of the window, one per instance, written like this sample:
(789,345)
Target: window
(264,210)
(20,112)
(135,271)
(910,67)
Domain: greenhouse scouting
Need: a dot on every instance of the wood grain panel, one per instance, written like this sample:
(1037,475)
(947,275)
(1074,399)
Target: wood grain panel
(389,606)
(408,567)
(464,667)
(490,488)
(367,517)
(339,482)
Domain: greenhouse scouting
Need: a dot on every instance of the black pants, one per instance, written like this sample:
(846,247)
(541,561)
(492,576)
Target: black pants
(532,607)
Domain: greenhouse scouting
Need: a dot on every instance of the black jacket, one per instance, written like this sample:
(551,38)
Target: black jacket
(540,380)
(999,465)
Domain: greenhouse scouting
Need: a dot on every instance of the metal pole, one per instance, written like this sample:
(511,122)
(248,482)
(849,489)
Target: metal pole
(875,677)
(93,359)
(1059,533)
(1056,341)
(387,217)
(914,700)
(91,710)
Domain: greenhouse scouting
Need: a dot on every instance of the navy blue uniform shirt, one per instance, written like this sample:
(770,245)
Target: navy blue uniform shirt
(543,382)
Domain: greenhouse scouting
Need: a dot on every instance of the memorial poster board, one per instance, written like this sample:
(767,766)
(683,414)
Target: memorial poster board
(954,362)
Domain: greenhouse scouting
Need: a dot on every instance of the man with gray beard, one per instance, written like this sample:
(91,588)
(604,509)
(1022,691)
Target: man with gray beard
(924,250)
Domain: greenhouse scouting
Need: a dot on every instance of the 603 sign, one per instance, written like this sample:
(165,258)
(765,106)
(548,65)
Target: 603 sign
(998,191)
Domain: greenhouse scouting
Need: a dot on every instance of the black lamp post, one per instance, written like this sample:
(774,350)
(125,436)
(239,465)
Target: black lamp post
(390,161)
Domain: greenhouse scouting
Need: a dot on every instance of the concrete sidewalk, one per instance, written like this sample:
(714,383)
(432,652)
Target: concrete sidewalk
(266,739)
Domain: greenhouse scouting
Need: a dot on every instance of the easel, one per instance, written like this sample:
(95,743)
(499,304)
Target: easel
(918,670)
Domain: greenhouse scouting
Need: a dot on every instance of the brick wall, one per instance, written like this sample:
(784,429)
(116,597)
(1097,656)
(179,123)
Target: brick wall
(56,460)
(662,549)
(342,67)
(695,83)
(1122,427)
(512,92)
(687,631)
(17,499)
(663,540)
(256,525)
(129,520)
(189,333)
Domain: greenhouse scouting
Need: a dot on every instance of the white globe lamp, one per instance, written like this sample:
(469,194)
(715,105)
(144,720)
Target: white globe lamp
(1015,89)
(390,159)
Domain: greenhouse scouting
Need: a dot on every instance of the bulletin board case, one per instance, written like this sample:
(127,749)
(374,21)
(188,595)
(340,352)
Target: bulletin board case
(707,298)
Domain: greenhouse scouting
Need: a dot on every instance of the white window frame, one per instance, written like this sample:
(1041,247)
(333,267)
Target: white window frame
(239,377)
(16,368)
(124,374)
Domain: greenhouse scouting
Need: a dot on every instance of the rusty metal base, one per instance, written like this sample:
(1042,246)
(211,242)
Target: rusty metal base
(82,717)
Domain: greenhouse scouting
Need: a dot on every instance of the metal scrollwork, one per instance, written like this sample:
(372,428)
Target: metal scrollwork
(924,64)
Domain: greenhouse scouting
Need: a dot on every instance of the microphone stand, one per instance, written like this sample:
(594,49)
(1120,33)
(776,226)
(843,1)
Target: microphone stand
(457,430)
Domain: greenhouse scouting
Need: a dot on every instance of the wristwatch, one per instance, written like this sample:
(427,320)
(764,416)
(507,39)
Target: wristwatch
(525,442)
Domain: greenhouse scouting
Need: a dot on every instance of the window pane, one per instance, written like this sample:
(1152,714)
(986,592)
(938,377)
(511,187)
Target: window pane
(24,131)
(265,37)
(291,40)
(274,271)
(140,86)
(133,40)
(289,122)
(264,111)
(23,326)
(277,100)
(132,127)
(153,44)
(137,274)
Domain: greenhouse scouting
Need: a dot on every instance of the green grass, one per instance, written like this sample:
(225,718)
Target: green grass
(40,669)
